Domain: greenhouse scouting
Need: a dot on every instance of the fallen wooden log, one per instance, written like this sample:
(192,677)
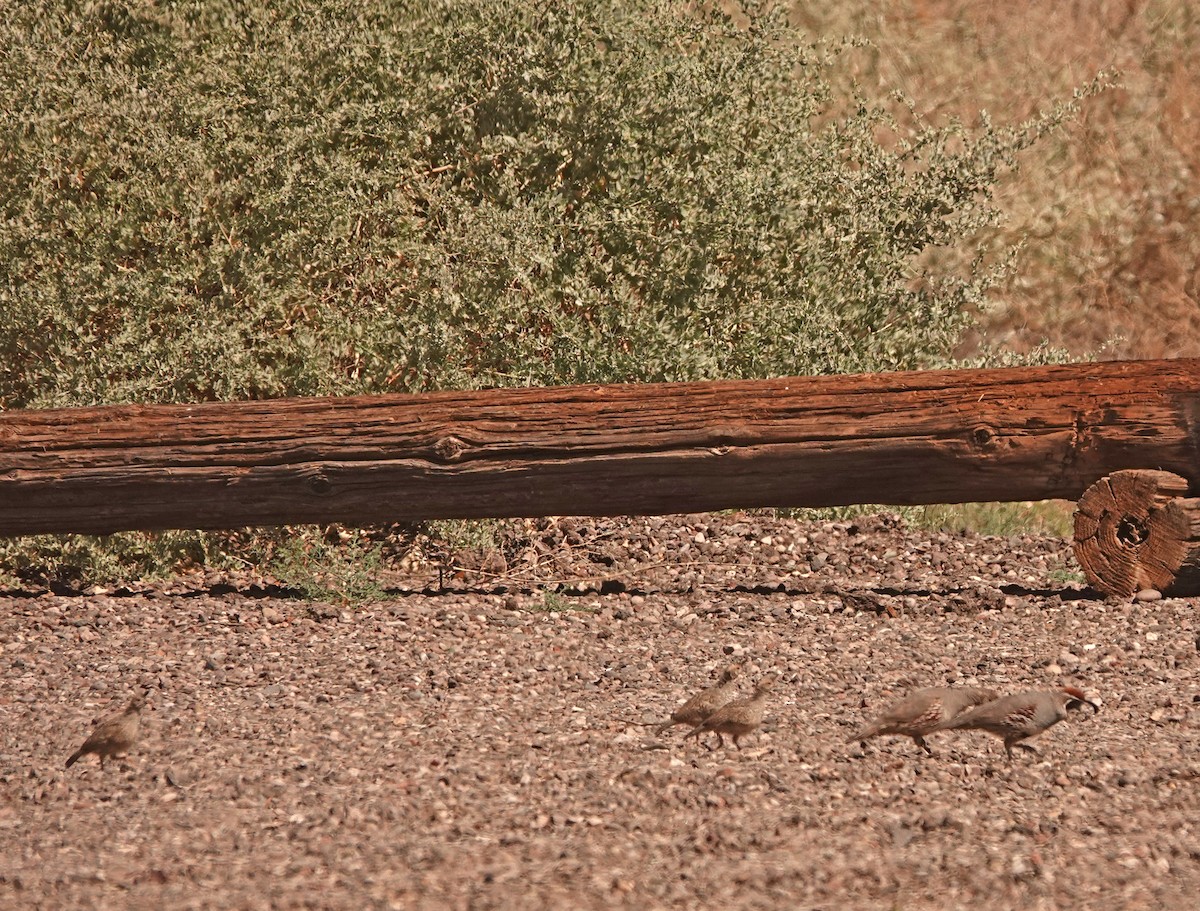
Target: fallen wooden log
(947,436)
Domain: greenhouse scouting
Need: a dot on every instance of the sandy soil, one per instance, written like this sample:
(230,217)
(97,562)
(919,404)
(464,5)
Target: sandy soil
(487,746)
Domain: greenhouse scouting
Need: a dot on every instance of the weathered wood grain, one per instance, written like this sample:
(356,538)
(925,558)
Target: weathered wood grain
(900,438)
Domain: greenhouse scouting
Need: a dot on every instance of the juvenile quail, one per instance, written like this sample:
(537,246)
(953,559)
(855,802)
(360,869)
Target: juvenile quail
(115,735)
(705,702)
(921,711)
(737,718)
(1020,716)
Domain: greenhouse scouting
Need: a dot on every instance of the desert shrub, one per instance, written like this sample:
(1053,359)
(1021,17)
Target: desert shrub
(1107,208)
(219,201)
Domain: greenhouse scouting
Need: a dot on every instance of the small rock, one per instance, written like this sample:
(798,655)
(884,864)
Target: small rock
(1148,594)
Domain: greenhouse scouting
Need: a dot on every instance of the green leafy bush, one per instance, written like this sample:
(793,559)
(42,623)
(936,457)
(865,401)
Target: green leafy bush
(220,201)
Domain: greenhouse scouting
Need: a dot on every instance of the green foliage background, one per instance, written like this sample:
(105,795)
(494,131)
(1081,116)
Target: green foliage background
(216,200)
(208,199)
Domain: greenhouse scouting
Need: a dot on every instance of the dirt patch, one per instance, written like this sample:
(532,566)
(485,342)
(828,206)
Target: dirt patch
(487,746)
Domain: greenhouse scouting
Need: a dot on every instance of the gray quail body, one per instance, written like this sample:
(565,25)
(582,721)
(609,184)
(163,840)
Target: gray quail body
(704,703)
(1020,716)
(115,735)
(921,711)
(737,718)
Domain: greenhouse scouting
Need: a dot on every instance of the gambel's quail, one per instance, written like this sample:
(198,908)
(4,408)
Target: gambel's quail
(1020,716)
(921,711)
(737,718)
(705,702)
(115,735)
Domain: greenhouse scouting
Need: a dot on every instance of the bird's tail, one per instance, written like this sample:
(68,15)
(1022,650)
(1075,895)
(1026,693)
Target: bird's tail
(864,733)
(74,757)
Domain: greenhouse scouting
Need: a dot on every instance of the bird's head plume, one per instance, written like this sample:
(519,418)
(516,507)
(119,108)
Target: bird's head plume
(1076,699)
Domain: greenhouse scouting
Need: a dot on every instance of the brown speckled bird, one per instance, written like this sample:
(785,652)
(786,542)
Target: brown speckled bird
(737,718)
(705,702)
(1021,716)
(115,735)
(921,711)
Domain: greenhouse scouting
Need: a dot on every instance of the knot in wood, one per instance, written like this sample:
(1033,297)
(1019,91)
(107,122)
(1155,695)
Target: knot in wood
(984,437)
(320,484)
(449,448)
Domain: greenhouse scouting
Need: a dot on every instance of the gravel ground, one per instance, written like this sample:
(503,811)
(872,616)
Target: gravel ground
(486,745)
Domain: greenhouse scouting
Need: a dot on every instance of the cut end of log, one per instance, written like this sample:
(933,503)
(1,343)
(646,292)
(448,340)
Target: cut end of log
(1138,530)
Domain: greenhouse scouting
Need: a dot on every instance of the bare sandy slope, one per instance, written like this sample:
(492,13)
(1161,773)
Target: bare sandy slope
(479,748)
